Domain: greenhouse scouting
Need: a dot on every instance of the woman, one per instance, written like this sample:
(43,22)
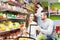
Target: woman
(32,27)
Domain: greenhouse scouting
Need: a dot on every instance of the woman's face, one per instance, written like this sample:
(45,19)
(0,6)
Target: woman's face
(31,17)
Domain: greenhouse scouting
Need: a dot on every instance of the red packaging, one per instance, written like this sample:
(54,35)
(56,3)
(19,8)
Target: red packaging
(57,28)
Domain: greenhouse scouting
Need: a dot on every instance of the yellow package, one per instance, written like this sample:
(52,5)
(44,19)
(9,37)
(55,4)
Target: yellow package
(2,27)
(23,39)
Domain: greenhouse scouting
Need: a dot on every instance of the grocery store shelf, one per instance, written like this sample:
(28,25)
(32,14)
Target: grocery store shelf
(15,3)
(3,7)
(8,31)
(16,19)
(26,37)
(2,19)
(15,12)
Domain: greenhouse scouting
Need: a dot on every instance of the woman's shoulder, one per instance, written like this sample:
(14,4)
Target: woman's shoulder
(33,22)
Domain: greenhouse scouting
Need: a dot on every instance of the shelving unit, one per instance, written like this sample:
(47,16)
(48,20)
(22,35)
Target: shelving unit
(19,16)
(15,3)
(12,2)
(4,7)
(7,31)
(12,19)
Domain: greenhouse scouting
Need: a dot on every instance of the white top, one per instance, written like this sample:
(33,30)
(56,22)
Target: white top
(33,29)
